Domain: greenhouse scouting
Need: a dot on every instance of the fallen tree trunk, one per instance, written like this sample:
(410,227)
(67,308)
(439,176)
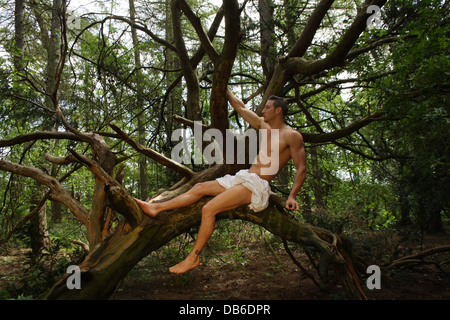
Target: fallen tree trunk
(106,265)
(110,259)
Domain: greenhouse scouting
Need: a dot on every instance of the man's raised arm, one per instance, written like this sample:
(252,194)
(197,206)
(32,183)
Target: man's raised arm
(251,117)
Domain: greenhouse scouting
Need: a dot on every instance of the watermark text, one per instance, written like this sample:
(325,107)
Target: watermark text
(189,145)
(374,21)
(373,281)
(74,280)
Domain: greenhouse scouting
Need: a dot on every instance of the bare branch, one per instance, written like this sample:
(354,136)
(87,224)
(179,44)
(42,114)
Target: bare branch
(85,246)
(169,163)
(337,134)
(188,122)
(59,193)
(26,218)
(59,160)
(113,188)
(308,33)
(41,135)
(203,36)
(418,256)
(349,38)
(356,52)
(36,210)
(144,29)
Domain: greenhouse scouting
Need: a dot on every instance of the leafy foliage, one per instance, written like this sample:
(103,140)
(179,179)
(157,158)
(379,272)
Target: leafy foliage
(392,172)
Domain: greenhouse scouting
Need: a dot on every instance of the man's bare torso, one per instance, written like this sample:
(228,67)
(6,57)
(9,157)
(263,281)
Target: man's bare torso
(274,152)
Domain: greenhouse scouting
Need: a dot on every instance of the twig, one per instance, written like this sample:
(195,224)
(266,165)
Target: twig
(418,257)
(299,265)
(169,163)
(271,249)
(83,245)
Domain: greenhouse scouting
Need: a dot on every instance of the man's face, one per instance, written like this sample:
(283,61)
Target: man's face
(269,112)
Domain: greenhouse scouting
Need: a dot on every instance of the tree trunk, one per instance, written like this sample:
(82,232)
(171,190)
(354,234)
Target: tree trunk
(38,225)
(56,212)
(18,34)
(266,25)
(139,110)
(435,219)
(105,267)
(39,236)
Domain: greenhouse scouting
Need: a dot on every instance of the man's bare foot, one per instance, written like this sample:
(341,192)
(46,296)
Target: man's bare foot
(148,208)
(189,263)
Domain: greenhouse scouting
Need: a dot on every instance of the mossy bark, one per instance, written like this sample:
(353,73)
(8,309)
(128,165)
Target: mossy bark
(105,267)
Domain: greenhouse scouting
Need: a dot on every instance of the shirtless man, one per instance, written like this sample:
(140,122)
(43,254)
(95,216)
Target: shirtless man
(247,186)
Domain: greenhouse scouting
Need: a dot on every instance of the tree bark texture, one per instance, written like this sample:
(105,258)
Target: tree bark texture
(110,262)
(112,255)
(138,235)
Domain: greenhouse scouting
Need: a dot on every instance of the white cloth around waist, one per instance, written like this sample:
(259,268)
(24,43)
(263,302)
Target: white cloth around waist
(260,188)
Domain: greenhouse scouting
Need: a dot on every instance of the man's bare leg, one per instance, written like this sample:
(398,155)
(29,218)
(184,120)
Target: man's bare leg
(227,200)
(209,188)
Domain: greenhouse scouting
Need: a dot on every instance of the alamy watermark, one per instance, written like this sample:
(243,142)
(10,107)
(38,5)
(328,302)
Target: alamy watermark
(74,18)
(374,21)
(74,280)
(212,153)
(374,280)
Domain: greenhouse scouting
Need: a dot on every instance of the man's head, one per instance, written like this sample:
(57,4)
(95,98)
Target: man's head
(275,106)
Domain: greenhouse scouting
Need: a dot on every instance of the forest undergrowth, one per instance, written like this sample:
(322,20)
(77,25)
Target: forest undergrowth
(243,262)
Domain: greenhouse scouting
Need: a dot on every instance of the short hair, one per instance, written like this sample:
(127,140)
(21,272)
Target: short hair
(279,102)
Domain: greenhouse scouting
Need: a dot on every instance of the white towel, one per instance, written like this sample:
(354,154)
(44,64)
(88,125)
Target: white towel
(260,188)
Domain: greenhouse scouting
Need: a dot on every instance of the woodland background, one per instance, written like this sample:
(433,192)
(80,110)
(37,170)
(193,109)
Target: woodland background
(385,183)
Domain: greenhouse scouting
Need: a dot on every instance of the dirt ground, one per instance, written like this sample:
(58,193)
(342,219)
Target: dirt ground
(251,272)
(258,276)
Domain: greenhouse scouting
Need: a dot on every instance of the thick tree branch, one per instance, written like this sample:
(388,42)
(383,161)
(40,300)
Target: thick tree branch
(203,36)
(224,66)
(58,192)
(292,65)
(60,160)
(337,134)
(151,235)
(196,58)
(169,163)
(41,135)
(308,33)
(193,87)
(133,217)
(349,38)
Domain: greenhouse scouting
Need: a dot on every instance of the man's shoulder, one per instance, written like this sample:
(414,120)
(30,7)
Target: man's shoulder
(293,134)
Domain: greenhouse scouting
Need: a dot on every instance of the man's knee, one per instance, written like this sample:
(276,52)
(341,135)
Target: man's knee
(198,188)
(208,210)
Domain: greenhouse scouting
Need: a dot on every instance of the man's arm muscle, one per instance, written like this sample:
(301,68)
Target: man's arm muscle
(251,117)
(298,156)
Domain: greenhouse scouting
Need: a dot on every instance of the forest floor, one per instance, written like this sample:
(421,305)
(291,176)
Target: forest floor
(251,272)
(236,266)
